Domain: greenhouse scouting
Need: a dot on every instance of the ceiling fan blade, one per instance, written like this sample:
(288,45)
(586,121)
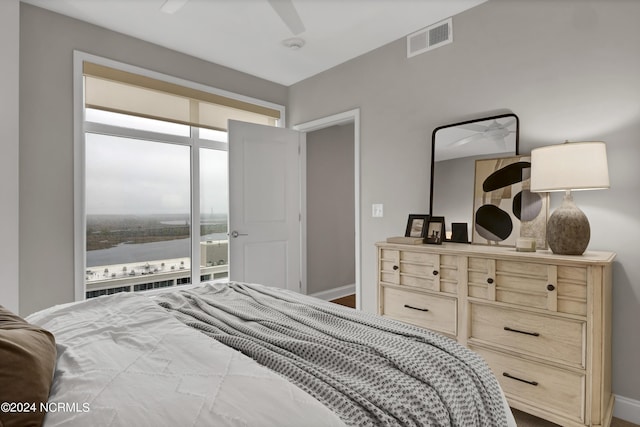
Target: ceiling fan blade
(474,127)
(465,140)
(509,123)
(172,6)
(289,15)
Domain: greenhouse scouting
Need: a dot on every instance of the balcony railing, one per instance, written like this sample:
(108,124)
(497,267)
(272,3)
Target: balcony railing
(132,277)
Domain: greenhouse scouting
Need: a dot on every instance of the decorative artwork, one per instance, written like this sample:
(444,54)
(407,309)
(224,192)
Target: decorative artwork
(503,207)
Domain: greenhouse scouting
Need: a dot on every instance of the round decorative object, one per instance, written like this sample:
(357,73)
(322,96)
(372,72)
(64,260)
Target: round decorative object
(492,223)
(527,205)
(568,230)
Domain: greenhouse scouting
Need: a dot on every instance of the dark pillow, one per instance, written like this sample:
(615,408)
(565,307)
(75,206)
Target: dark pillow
(27,363)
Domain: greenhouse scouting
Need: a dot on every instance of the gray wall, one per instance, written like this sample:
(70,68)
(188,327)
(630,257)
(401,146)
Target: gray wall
(9,131)
(330,208)
(47,41)
(568,69)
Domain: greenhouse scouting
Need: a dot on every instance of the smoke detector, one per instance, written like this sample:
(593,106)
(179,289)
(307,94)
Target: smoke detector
(293,43)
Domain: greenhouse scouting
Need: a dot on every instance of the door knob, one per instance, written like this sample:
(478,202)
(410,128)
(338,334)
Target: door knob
(234,234)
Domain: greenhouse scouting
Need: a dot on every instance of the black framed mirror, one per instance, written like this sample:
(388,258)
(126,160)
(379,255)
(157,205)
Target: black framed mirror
(454,150)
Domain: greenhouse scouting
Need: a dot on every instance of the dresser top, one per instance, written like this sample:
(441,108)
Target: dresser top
(589,257)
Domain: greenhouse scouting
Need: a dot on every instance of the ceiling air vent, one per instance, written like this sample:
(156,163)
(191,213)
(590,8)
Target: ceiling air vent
(429,38)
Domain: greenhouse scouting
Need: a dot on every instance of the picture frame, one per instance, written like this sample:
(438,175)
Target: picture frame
(504,208)
(416,225)
(435,231)
(459,232)
(444,227)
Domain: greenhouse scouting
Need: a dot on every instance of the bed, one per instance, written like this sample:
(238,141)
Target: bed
(238,354)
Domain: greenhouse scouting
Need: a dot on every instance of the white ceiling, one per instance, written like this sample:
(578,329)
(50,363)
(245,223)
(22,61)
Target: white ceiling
(247,35)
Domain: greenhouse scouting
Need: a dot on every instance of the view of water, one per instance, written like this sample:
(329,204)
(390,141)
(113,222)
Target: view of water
(142,252)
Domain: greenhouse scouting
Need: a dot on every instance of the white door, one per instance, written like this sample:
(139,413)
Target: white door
(264,205)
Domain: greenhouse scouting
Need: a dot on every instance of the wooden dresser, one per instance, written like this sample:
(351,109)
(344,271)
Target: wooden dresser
(541,321)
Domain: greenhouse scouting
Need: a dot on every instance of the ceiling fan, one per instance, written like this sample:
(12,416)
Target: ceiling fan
(496,132)
(284,8)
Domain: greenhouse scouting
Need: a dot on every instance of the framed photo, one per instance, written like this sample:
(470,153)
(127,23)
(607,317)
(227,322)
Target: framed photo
(416,225)
(435,231)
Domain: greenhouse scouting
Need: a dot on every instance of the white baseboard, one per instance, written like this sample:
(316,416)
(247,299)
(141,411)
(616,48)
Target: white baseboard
(331,294)
(627,409)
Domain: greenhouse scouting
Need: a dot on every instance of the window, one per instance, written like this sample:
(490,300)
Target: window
(138,211)
(214,196)
(155,181)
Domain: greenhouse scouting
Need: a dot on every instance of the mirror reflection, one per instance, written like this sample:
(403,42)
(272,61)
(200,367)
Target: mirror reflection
(454,150)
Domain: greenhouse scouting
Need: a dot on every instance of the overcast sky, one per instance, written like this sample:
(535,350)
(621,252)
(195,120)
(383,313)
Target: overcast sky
(127,176)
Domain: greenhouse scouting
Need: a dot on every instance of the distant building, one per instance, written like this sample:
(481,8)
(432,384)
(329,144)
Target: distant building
(142,276)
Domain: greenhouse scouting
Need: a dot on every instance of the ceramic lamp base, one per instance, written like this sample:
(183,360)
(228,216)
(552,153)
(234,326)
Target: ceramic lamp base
(568,230)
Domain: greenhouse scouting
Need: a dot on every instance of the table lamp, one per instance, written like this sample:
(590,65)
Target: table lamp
(569,167)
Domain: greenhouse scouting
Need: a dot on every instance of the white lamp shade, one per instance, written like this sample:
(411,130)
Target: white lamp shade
(569,166)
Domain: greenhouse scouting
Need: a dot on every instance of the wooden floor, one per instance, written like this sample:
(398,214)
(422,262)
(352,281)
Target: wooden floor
(522,419)
(349,301)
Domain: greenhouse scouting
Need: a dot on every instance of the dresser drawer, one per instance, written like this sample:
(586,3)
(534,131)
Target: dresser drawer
(559,288)
(420,270)
(389,265)
(554,389)
(553,338)
(415,269)
(438,313)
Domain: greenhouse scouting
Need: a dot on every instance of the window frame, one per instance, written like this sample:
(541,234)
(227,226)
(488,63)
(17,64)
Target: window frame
(194,142)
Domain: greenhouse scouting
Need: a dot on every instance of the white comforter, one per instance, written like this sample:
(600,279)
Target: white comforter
(123,361)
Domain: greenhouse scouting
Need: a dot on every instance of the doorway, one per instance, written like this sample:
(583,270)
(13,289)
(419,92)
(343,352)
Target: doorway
(324,262)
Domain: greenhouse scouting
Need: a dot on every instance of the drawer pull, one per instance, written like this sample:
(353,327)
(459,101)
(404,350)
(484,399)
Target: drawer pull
(489,280)
(415,308)
(395,267)
(508,375)
(435,272)
(533,334)
(550,287)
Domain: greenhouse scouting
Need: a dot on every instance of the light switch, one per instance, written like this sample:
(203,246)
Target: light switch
(377,210)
